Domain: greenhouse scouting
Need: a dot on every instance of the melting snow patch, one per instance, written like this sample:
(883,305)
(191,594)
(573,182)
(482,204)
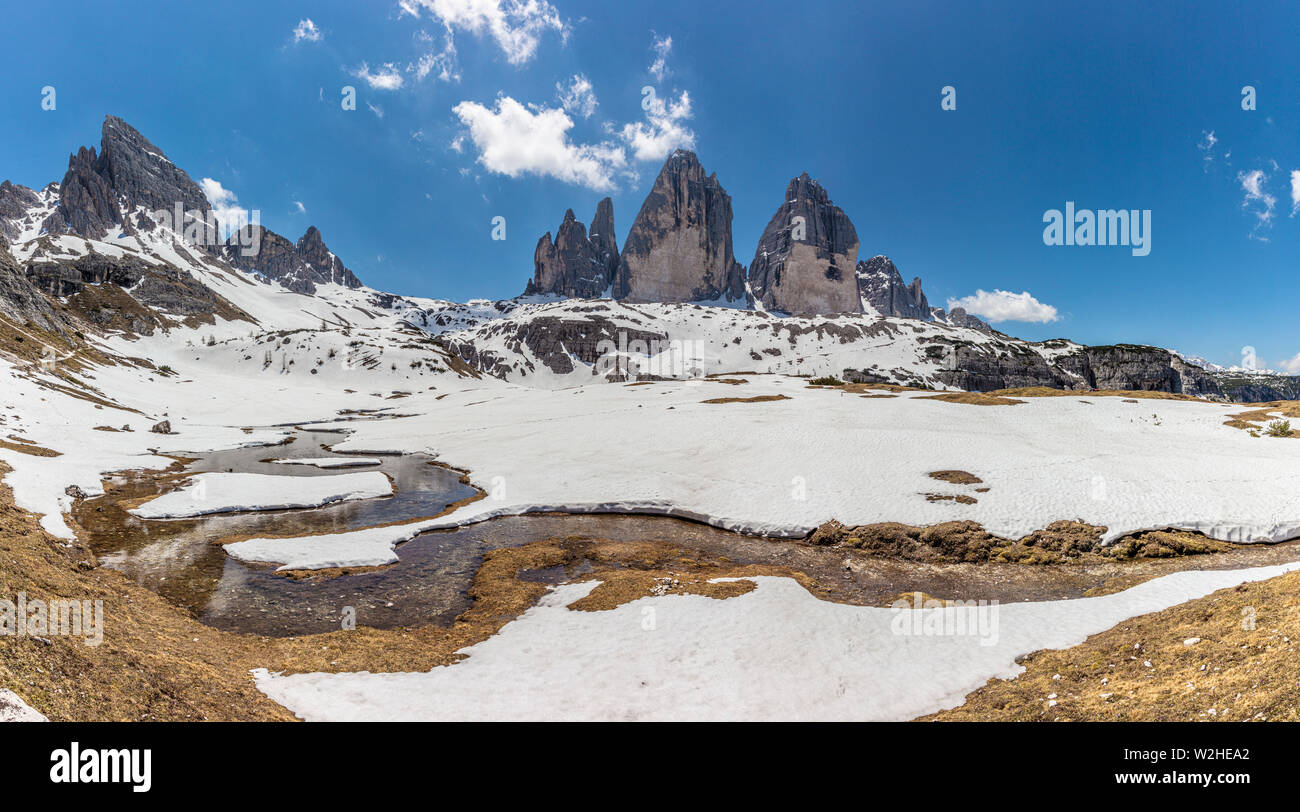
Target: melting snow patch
(225,493)
(14,709)
(776,652)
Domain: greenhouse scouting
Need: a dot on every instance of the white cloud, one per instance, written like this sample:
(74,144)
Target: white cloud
(1291,366)
(512,140)
(306,30)
(1295,191)
(578,98)
(1207,146)
(663,130)
(379,111)
(1253,184)
(515,25)
(1002,305)
(299,207)
(386,77)
(225,205)
(661,47)
(442,64)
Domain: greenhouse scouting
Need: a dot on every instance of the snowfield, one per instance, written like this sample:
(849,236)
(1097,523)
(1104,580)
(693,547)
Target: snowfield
(226,493)
(775,653)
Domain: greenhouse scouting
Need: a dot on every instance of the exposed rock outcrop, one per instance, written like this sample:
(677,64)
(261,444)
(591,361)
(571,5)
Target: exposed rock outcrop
(300,266)
(805,259)
(575,263)
(15,201)
(882,289)
(679,248)
(980,368)
(21,300)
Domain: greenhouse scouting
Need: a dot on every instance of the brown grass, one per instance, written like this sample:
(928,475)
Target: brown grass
(30,450)
(755,399)
(974,399)
(956,477)
(1242,673)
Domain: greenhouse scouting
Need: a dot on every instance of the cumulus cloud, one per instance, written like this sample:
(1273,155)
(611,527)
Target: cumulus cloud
(513,140)
(1295,191)
(306,30)
(1002,305)
(299,207)
(1258,200)
(578,97)
(387,77)
(225,205)
(516,26)
(664,129)
(1291,366)
(661,47)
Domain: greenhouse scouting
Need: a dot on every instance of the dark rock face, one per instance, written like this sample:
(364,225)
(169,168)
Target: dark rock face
(881,286)
(576,264)
(299,267)
(979,368)
(15,200)
(551,339)
(679,248)
(1258,387)
(805,258)
(603,241)
(127,167)
(21,300)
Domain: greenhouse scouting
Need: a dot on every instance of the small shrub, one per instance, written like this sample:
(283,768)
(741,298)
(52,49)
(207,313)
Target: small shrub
(1279,428)
(827,381)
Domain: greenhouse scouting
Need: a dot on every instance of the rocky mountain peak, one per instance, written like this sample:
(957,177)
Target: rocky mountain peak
(300,266)
(575,263)
(101,187)
(804,258)
(883,292)
(679,248)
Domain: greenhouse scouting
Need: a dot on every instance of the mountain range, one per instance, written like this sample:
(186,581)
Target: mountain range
(128,242)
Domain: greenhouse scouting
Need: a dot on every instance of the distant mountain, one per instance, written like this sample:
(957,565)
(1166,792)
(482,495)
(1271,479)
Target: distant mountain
(119,189)
(99,252)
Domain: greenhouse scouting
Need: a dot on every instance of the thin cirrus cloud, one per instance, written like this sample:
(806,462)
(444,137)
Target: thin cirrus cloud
(1257,200)
(516,26)
(1003,305)
(577,97)
(515,140)
(306,31)
(1295,191)
(662,46)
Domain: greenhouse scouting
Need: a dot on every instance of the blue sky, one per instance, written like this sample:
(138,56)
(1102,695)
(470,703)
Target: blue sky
(1104,104)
